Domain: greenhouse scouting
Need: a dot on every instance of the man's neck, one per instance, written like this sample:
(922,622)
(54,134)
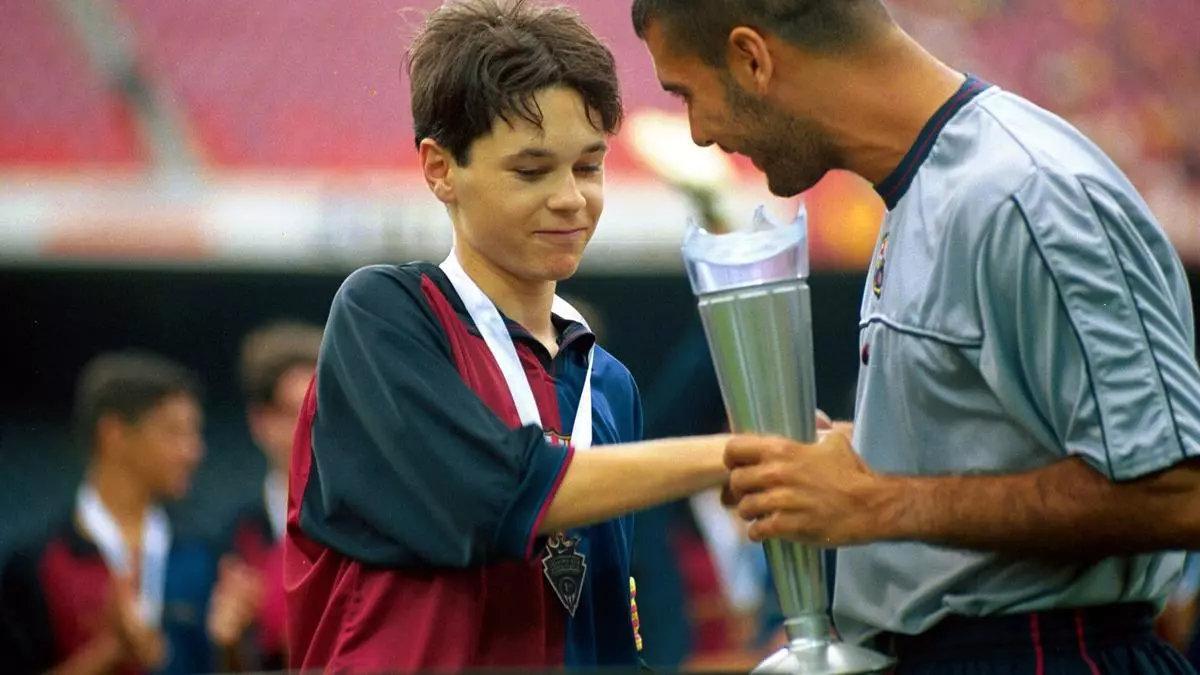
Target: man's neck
(886,99)
(526,302)
(124,497)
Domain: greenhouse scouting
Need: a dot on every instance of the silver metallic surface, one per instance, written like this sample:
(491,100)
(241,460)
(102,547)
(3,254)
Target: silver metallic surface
(761,343)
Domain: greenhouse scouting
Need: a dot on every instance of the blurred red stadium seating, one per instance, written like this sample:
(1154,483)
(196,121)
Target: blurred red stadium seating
(273,84)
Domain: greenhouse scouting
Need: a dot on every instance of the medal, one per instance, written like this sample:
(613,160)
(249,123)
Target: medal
(565,567)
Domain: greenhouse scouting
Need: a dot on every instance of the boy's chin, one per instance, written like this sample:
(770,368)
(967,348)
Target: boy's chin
(559,267)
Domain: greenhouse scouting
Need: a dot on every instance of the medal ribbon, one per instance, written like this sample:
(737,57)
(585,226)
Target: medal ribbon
(491,325)
(275,500)
(156,545)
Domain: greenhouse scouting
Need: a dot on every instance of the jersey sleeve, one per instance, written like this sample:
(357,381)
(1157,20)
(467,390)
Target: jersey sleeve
(1088,333)
(409,466)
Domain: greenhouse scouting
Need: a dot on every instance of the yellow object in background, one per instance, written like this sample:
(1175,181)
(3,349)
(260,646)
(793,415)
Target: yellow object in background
(633,614)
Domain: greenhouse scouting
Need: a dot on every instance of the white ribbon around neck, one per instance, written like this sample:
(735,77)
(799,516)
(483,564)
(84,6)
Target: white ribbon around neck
(156,546)
(275,495)
(491,325)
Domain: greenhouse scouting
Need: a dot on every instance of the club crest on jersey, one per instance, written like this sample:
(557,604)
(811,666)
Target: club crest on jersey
(556,439)
(565,568)
(880,262)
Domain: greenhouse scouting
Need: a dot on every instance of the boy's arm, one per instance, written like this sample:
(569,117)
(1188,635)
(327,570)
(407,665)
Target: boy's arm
(608,481)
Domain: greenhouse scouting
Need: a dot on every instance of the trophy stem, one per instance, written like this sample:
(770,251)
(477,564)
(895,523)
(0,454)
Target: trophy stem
(760,337)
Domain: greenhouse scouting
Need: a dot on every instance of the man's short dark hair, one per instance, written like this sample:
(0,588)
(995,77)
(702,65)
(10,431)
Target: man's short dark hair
(128,384)
(474,61)
(270,351)
(701,26)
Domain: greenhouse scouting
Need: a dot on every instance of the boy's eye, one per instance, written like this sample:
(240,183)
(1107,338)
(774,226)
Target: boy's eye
(530,174)
(589,168)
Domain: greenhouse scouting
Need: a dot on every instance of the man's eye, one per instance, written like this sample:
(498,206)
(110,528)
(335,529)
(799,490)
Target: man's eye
(589,168)
(530,174)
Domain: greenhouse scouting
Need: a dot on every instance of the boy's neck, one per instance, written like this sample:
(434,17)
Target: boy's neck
(524,301)
(124,497)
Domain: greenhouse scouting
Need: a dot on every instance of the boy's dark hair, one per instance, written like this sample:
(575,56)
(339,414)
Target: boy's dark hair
(128,384)
(270,351)
(701,27)
(477,60)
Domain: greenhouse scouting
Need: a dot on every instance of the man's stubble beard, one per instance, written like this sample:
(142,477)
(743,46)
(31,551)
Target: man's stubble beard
(793,153)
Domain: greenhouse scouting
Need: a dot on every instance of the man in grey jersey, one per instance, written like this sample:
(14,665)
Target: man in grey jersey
(1028,406)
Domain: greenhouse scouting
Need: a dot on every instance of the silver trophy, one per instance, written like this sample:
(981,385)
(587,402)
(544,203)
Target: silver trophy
(754,302)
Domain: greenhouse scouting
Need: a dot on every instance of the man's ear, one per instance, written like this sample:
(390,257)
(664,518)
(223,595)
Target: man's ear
(749,59)
(438,166)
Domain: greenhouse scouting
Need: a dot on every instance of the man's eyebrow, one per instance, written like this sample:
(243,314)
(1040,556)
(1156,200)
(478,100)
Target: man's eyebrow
(599,146)
(678,89)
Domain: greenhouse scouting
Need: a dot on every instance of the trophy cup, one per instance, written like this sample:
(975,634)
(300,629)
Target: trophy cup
(754,302)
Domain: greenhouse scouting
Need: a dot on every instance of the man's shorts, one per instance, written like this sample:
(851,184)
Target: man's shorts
(1091,641)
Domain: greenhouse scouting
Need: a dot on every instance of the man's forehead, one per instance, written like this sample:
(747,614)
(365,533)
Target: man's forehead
(671,66)
(657,44)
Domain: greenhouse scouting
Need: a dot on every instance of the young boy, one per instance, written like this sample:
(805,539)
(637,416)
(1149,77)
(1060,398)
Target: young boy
(112,589)
(445,508)
(246,616)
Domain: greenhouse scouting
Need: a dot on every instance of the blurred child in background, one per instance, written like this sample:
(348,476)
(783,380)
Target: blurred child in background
(246,618)
(111,588)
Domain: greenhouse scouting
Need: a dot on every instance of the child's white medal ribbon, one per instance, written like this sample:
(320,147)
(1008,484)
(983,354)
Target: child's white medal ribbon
(563,565)
(156,546)
(491,325)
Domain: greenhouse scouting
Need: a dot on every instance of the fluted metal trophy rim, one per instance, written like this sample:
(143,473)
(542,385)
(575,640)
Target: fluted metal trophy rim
(757,320)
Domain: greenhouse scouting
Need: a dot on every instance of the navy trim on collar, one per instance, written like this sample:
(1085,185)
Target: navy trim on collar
(572,335)
(892,188)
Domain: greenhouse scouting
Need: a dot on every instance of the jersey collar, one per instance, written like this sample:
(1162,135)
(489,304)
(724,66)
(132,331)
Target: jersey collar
(893,188)
(572,335)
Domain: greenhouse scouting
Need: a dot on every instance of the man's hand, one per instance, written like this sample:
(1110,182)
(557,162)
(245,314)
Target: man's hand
(1177,623)
(821,494)
(235,602)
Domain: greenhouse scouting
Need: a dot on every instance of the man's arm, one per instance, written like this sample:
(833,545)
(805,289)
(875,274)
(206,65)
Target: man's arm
(825,494)
(1088,344)
(1065,508)
(607,481)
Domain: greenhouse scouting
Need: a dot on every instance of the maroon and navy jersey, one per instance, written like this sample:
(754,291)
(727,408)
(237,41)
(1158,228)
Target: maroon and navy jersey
(416,495)
(54,596)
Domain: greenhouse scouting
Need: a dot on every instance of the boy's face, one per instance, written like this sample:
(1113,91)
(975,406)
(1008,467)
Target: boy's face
(164,446)
(273,424)
(527,202)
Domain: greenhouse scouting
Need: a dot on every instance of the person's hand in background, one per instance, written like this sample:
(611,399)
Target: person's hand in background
(141,642)
(235,603)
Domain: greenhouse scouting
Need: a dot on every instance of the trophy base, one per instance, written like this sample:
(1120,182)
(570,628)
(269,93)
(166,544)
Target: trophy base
(824,659)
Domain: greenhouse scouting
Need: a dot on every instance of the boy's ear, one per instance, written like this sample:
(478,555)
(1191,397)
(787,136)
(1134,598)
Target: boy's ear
(109,432)
(438,166)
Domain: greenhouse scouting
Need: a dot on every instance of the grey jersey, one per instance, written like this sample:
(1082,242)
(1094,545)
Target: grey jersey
(1023,306)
